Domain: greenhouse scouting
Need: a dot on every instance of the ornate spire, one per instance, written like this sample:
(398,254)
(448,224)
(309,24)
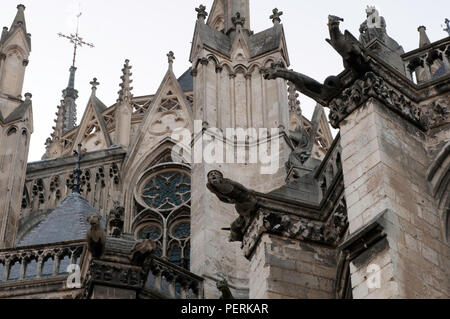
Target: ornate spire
(19,22)
(201,13)
(424,40)
(94,85)
(125,87)
(276,16)
(70,94)
(77,172)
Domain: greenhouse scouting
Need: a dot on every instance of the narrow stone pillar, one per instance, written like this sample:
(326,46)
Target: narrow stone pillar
(385,164)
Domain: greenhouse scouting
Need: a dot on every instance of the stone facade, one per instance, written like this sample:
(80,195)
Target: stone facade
(362,215)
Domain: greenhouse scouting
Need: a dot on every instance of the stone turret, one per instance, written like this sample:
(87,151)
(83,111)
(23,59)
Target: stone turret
(16,125)
(124,107)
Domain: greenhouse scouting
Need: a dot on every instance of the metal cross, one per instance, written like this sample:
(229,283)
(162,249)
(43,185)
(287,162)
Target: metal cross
(447,24)
(76,40)
(77,172)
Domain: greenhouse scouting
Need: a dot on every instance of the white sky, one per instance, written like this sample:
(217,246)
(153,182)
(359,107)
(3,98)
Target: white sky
(144,31)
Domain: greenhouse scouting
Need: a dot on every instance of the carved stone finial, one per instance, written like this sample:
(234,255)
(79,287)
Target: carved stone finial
(171,58)
(276,16)
(201,12)
(28,96)
(238,20)
(125,86)
(94,85)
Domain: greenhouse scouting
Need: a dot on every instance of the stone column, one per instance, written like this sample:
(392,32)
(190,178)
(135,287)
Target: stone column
(395,245)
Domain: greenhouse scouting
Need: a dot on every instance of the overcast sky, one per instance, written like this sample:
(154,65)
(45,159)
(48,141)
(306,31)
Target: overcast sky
(144,31)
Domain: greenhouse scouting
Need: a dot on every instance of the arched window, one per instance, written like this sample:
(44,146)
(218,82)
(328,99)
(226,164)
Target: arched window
(163,198)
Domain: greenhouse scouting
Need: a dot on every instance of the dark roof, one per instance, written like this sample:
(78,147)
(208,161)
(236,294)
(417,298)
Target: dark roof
(18,112)
(186,81)
(265,41)
(214,39)
(259,43)
(68,222)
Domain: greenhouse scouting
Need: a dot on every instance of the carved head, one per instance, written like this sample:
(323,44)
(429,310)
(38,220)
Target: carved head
(223,284)
(215,177)
(334,20)
(94,220)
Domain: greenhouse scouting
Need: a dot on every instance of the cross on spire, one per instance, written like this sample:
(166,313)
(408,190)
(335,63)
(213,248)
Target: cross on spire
(77,172)
(76,40)
(276,16)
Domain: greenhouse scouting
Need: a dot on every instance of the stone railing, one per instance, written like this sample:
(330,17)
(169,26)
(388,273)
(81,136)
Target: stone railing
(429,62)
(167,280)
(38,262)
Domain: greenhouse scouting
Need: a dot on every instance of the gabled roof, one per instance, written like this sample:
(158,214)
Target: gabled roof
(68,222)
(18,113)
(186,81)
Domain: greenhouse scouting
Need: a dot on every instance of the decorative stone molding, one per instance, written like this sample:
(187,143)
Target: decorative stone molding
(295,227)
(373,86)
(437,112)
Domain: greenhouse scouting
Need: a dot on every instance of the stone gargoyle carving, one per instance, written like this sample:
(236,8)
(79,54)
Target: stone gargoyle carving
(95,236)
(231,192)
(141,250)
(346,45)
(354,59)
(115,221)
(302,151)
(224,288)
(322,93)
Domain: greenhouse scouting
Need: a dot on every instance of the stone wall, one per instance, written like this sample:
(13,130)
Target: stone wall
(385,164)
(283,268)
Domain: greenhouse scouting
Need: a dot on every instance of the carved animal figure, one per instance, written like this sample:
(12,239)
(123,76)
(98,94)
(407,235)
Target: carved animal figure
(345,44)
(115,221)
(225,290)
(142,250)
(231,192)
(95,236)
(321,93)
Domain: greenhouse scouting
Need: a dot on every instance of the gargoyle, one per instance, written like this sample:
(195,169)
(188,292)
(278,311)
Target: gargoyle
(321,93)
(231,192)
(95,236)
(302,151)
(141,250)
(346,45)
(225,290)
(115,221)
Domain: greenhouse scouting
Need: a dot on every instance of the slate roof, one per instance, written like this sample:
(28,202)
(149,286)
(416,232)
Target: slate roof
(68,222)
(18,112)
(186,81)
(259,43)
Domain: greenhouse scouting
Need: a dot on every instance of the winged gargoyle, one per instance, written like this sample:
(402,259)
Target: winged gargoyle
(321,93)
(346,45)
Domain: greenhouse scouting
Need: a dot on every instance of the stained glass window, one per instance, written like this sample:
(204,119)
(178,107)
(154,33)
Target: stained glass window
(166,196)
(152,232)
